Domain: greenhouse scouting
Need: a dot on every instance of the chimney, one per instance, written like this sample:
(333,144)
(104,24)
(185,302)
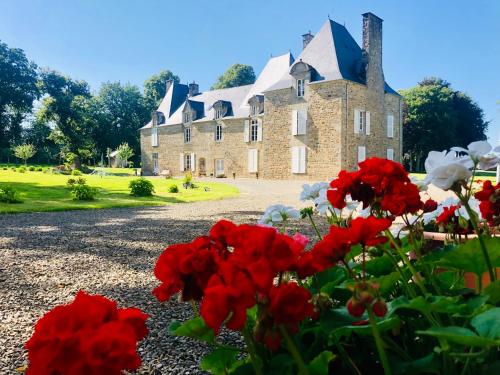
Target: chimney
(194,89)
(372,49)
(169,83)
(306,38)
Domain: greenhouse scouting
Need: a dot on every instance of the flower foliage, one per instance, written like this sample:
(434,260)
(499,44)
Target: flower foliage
(88,336)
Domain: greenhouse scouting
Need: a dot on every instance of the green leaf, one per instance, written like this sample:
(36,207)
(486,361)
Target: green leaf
(487,324)
(282,364)
(387,282)
(469,257)
(439,304)
(459,335)
(330,278)
(219,361)
(493,292)
(319,365)
(429,364)
(194,328)
(380,266)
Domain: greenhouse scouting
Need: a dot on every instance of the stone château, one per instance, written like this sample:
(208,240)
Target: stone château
(303,118)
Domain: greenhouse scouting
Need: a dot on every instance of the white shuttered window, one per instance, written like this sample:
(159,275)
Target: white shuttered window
(390,153)
(253,160)
(181,162)
(299,159)
(362,123)
(154,137)
(246,131)
(259,130)
(361,153)
(193,162)
(299,122)
(390,126)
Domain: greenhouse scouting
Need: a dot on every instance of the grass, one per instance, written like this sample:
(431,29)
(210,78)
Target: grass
(480,175)
(48,192)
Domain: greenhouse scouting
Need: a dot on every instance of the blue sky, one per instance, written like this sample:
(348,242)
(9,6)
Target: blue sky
(129,40)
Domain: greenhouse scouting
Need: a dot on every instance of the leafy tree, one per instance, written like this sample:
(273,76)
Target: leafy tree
(155,88)
(437,118)
(24,152)
(37,133)
(235,75)
(124,152)
(18,90)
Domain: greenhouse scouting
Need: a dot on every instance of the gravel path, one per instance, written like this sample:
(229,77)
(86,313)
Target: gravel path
(45,258)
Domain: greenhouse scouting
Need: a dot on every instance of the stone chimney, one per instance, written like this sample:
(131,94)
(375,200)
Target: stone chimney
(194,89)
(372,49)
(306,38)
(169,83)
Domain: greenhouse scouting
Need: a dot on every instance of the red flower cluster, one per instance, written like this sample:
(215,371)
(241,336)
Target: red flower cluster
(232,269)
(366,295)
(489,196)
(447,216)
(430,205)
(377,181)
(88,336)
(338,242)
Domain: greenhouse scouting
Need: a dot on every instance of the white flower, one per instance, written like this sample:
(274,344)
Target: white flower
(322,204)
(311,192)
(421,184)
(278,213)
(482,154)
(445,168)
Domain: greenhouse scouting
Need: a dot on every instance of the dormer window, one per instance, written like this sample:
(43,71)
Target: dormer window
(160,118)
(300,87)
(256,104)
(186,117)
(254,111)
(222,109)
(219,113)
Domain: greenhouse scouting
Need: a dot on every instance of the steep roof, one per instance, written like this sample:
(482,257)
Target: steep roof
(334,54)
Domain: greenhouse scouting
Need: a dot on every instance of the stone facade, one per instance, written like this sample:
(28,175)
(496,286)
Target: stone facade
(331,109)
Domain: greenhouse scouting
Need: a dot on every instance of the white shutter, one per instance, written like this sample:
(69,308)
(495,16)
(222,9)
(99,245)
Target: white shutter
(193,162)
(295,159)
(181,162)
(154,137)
(357,116)
(361,153)
(390,126)
(253,160)
(367,123)
(295,122)
(246,131)
(302,159)
(259,130)
(390,153)
(301,121)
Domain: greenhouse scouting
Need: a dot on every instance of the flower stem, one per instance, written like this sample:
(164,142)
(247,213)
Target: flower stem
(314,226)
(379,343)
(292,348)
(251,351)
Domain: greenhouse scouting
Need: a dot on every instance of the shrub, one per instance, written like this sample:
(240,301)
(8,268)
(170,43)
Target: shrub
(76,172)
(39,169)
(188,178)
(31,168)
(141,187)
(76,181)
(21,169)
(173,188)
(5,168)
(83,192)
(9,195)
(13,169)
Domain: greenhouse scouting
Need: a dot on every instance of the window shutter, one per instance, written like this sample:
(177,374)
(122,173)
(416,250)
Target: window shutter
(259,130)
(295,121)
(302,121)
(154,137)
(295,159)
(302,159)
(181,162)
(367,123)
(361,153)
(390,153)
(390,126)
(253,161)
(193,162)
(357,116)
(246,131)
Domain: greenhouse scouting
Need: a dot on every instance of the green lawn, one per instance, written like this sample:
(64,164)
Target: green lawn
(48,192)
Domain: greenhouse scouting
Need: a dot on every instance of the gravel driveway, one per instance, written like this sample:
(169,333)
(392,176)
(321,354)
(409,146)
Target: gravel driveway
(45,258)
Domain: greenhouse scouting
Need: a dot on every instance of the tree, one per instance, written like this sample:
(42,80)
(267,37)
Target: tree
(18,90)
(37,133)
(436,118)
(24,152)
(155,88)
(235,75)
(124,152)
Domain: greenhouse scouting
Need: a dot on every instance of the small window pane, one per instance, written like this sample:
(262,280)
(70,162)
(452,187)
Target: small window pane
(254,129)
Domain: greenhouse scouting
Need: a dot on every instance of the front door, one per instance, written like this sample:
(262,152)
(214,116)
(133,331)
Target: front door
(219,167)
(201,166)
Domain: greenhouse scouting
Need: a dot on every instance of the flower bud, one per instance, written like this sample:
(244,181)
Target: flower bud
(355,308)
(379,308)
(430,205)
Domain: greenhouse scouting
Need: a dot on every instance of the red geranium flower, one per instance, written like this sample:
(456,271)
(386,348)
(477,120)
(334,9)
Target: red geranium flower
(489,197)
(430,205)
(88,336)
(366,231)
(447,215)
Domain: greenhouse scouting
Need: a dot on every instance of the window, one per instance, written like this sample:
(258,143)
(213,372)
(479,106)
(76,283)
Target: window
(156,167)
(186,117)
(219,113)
(300,87)
(187,135)
(218,132)
(390,126)
(299,159)
(299,122)
(361,153)
(254,131)
(160,118)
(254,110)
(219,167)
(390,153)
(154,137)
(253,160)
(361,122)
(187,162)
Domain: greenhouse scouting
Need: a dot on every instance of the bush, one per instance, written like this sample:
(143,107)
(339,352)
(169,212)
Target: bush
(173,188)
(76,181)
(21,169)
(76,172)
(13,169)
(39,169)
(188,178)
(31,168)
(9,195)
(5,168)
(141,187)
(83,192)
